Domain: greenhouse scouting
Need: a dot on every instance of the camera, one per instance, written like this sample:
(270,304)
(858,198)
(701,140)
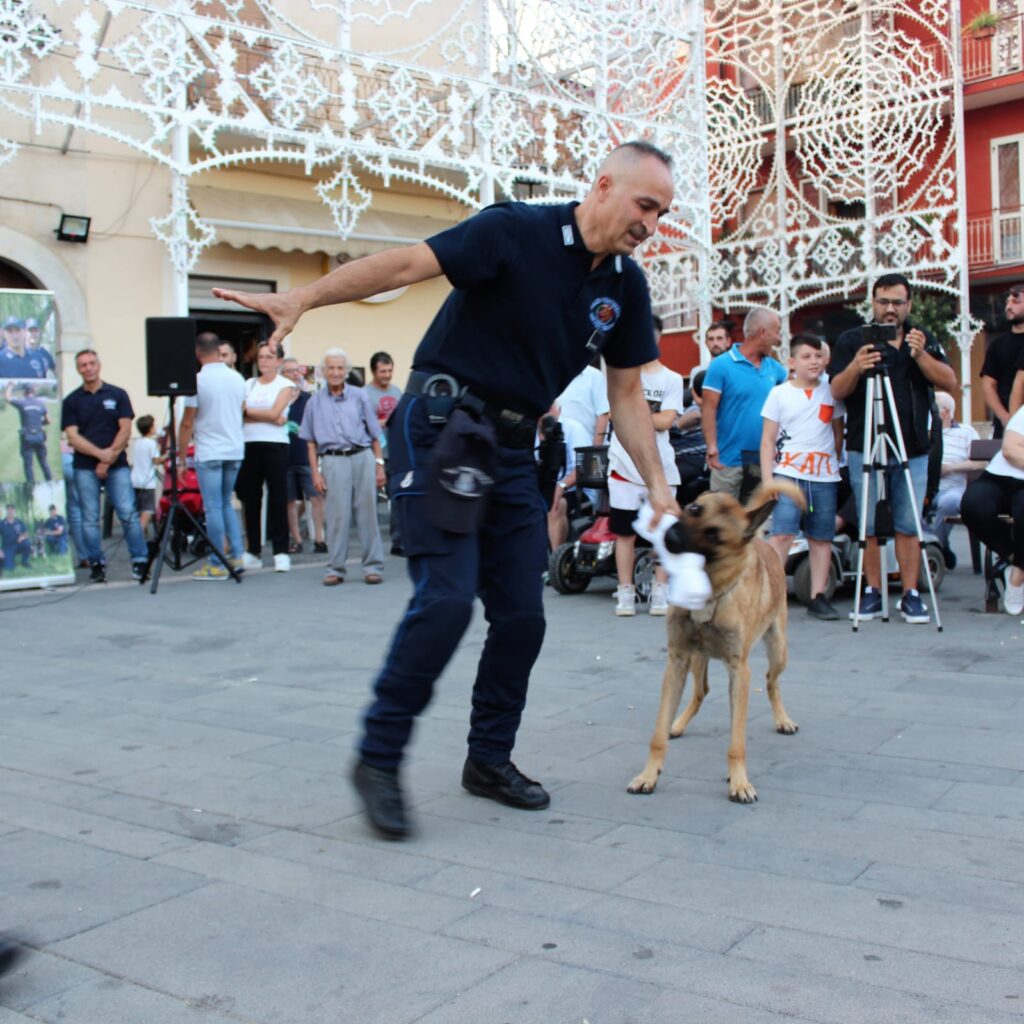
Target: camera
(879,335)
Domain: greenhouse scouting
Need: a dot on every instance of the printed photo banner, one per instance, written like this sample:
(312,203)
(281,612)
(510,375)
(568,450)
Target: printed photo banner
(35,542)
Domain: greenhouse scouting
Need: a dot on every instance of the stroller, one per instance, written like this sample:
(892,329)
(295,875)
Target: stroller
(184,541)
(590,551)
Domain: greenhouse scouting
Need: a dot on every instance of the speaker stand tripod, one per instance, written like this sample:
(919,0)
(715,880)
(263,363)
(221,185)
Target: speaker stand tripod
(177,511)
(878,445)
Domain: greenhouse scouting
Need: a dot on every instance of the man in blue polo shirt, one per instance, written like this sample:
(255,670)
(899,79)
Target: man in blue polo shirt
(97,418)
(538,291)
(735,386)
(32,434)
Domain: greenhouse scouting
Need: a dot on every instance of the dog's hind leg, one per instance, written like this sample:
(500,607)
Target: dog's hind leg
(671,693)
(775,644)
(740,788)
(699,668)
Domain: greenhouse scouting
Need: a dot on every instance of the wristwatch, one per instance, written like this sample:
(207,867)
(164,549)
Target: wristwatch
(380,462)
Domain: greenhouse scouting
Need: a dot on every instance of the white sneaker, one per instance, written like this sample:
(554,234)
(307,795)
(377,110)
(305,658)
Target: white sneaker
(1013,597)
(282,563)
(625,598)
(250,561)
(659,599)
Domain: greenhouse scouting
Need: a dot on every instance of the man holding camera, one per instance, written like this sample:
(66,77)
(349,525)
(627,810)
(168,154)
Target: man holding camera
(915,364)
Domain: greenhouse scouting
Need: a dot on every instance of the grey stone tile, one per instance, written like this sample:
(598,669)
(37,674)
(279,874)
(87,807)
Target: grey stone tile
(322,886)
(535,992)
(177,734)
(896,843)
(275,959)
(725,848)
(92,829)
(40,976)
(918,925)
(60,888)
(958,743)
(116,1001)
(806,776)
(999,801)
(974,985)
(956,823)
(963,887)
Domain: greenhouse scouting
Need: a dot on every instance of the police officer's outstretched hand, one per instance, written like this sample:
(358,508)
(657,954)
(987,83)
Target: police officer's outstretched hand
(284,308)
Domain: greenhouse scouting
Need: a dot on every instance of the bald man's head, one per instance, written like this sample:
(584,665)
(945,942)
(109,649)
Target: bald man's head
(633,189)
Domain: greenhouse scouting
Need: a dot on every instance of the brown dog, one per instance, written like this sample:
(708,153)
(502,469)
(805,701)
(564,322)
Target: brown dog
(748,587)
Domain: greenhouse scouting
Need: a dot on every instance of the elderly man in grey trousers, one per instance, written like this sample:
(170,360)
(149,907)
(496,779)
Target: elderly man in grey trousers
(341,430)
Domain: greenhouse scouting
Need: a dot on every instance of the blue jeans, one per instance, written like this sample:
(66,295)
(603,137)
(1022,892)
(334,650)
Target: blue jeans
(216,482)
(119,491)
(896,489)
(74,507)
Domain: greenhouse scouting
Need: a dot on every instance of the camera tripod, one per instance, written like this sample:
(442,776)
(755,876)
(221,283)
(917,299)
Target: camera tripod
(878,446)
(170,525)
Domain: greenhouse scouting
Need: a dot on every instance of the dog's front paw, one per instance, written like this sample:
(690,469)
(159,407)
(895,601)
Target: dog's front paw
(644,783)
(787,727)
(742,793)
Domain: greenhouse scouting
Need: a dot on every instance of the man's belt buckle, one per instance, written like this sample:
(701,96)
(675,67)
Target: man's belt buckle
(440,393)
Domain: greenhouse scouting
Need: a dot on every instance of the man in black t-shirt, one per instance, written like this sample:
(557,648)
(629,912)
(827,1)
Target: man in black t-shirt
(538,291)
(916,364)
(97,418)
(1004,360)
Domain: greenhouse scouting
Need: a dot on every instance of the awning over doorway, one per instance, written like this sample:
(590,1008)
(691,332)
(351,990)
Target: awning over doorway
(280,222)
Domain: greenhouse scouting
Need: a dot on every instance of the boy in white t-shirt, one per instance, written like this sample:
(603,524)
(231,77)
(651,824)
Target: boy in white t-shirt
(801,438)
(145,459)
(663,389)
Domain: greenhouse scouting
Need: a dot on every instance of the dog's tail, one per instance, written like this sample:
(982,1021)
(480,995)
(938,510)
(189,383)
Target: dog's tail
(770,492)
(765,498)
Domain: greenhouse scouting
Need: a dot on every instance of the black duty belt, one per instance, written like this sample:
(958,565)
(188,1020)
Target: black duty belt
(513,429)
(345,451)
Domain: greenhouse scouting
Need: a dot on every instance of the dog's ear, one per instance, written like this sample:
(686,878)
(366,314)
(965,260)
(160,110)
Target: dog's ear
(757,516)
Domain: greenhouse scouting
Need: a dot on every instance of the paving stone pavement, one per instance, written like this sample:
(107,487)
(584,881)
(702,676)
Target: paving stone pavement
(179,843)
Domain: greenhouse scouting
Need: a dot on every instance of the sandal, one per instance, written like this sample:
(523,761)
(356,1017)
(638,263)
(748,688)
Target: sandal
(295,548)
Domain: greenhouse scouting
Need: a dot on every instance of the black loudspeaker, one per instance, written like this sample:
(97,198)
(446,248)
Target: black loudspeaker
(171,355)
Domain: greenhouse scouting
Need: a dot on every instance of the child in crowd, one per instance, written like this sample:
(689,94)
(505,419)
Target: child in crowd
(145,459)
(801,438)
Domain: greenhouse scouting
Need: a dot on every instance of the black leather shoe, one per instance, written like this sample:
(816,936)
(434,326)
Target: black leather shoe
(382,799)
(504,783)
(10,954)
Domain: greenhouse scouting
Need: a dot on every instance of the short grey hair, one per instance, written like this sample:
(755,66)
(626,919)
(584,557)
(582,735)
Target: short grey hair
(757,318)
(944,400)
(335,353)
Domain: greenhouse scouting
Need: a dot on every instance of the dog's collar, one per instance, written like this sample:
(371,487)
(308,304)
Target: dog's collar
(708,612)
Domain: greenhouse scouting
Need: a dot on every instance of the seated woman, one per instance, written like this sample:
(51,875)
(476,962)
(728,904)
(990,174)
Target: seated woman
(1000,490)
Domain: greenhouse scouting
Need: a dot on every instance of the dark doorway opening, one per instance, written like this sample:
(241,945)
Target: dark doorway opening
(243,331)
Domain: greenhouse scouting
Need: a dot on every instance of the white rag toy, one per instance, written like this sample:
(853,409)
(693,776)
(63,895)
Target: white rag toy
(688,583)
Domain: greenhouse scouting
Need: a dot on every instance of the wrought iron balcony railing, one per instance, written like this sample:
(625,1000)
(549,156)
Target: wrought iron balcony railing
(996,238)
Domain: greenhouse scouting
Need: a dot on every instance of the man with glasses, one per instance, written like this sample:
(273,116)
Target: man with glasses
(1002,373)
(916,364)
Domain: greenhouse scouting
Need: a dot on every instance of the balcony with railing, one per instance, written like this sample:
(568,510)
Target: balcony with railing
(995,55)
(995,238)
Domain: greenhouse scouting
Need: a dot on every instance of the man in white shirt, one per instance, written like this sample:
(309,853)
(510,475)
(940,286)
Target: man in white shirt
(214,417)
(585,401)
(956,464)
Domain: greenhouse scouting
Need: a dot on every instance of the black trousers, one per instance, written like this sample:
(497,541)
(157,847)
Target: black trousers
(265,462)
(983,502)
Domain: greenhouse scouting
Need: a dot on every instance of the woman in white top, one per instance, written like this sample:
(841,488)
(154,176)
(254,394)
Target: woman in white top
(998,491)
(267,398)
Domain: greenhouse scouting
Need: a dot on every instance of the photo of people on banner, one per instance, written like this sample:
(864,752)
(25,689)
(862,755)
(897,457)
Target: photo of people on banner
(34,542)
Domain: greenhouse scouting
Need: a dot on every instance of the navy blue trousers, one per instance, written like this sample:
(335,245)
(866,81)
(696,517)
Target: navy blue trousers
(502,564)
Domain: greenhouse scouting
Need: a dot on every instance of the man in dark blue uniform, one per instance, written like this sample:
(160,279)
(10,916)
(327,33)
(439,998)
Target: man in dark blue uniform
(538,291)
(15,539)
(55,530)
(34,349)
(32,434)
(15,359)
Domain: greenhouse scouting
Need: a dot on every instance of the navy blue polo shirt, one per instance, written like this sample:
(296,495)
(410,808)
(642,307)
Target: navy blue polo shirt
(33,418)
(96,414)
(528,313)
(30,365)
(10,531)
